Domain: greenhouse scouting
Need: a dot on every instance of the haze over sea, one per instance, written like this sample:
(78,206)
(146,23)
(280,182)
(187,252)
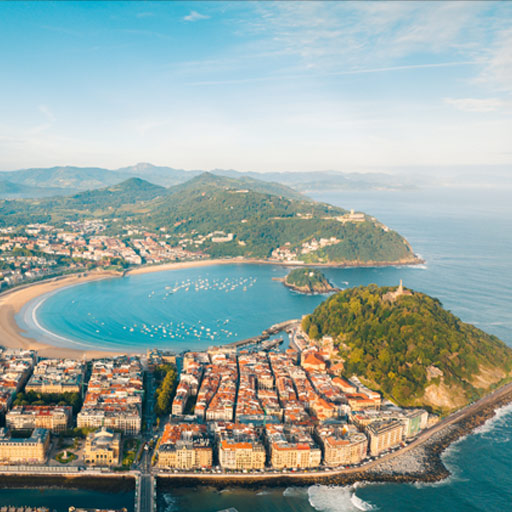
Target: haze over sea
(465,236)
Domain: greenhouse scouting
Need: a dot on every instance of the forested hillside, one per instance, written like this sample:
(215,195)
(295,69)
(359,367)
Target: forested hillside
(251,222)
(405,344)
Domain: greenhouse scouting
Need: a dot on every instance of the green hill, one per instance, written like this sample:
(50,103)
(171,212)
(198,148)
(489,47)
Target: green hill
(308,280)
(409,347)
(255,222)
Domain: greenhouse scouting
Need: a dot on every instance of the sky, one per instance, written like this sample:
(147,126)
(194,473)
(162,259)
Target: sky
(256,86)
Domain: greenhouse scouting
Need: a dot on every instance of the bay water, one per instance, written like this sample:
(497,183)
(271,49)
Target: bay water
(465,237)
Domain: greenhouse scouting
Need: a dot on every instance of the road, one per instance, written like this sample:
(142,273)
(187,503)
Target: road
(421,439)
(145,481)
(145,501)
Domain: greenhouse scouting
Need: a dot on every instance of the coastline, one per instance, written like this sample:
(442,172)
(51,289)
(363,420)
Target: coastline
(13,300)
(420,461)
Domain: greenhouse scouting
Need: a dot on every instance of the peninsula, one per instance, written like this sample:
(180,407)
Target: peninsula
(347,401)
(406,345)
(137,223)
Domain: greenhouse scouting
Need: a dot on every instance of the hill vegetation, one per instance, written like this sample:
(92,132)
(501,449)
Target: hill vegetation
(409,347)
(308,280)
(257,221)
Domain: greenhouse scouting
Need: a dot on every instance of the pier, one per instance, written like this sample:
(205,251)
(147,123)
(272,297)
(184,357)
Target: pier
(265,335)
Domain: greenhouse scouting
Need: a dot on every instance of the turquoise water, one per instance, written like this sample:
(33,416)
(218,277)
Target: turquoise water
(467,269)
(466,240)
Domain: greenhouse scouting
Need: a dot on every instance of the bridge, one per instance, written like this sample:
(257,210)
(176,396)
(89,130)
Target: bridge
(145,491)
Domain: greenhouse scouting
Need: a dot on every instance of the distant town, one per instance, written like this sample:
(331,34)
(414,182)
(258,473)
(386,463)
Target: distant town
(36,251)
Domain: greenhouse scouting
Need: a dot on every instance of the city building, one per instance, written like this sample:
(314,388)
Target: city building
(292,447)
(56,376)
(15,368)
(24,450)
(102,448)
(415,420)
(184,446)
(114,396)
(27,417)
(342,444)
(384,435)
(239,447)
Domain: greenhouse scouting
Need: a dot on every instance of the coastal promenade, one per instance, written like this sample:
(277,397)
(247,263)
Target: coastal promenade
(502,394)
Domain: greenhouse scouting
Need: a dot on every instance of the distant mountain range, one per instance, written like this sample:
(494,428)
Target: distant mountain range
(44,182)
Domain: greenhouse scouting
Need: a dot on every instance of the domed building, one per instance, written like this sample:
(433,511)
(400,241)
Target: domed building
(102,448)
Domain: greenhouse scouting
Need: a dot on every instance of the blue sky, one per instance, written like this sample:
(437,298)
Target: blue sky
(255,85)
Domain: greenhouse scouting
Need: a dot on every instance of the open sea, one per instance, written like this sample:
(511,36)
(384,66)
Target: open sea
(465,237)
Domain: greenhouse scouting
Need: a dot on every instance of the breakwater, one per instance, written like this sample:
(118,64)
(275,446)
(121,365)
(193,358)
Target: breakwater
(265,335)
(420,461)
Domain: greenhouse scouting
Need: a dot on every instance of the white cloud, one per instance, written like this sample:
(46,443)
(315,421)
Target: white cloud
(476,104)
(333,34)
(46,111)
(498,66)
(195,16)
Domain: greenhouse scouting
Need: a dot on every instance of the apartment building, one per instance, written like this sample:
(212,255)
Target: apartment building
(342,445)
(56,376)
(185,446)
(25,450)
(55,418)
(239,447)
(384,435)
(292,447)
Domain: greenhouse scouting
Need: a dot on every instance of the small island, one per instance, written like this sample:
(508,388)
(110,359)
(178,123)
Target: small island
(308,280)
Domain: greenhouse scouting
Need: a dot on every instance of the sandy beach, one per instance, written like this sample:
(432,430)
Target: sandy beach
(186,264)
(11,302)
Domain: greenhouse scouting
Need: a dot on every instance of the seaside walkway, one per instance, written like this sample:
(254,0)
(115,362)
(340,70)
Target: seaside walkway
(505,392)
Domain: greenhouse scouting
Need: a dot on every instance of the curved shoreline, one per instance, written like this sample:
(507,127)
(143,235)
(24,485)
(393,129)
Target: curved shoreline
(13,300)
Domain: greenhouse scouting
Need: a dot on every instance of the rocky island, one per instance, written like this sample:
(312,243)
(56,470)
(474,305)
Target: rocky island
(308,280)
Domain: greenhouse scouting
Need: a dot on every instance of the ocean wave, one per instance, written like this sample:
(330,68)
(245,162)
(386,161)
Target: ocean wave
(495,421)
(337,499)
(170,504)
(295,492)
(489,430)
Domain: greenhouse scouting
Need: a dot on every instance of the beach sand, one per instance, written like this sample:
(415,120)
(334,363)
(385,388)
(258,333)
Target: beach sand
(11,302)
